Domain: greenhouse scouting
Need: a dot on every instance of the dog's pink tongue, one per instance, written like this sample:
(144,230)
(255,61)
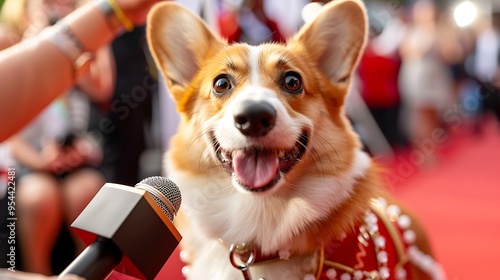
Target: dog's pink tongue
(255,169)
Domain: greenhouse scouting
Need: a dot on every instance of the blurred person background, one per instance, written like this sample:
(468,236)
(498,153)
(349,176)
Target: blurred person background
(128,121)
(378,74)
(480,95)
(95,133)
(425,79)
(55,157)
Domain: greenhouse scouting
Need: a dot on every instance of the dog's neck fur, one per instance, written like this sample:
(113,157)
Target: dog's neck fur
(297,223)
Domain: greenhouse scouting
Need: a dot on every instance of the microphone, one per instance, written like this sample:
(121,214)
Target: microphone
(129,230)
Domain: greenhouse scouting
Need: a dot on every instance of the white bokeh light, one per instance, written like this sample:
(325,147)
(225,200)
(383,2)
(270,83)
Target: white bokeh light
(310,11)
(465,14)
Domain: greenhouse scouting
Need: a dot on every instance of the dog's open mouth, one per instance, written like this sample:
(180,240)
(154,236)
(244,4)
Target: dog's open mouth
(258,169)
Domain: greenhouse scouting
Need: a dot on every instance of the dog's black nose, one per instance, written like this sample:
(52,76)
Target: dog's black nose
(254,118)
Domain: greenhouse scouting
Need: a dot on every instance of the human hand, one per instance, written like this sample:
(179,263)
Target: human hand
(19,275)
(53,158)
(89,148)
(59,159)
(137,10)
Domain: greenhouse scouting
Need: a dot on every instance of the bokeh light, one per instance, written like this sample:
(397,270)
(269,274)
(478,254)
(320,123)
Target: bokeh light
(310,11)
(465,14)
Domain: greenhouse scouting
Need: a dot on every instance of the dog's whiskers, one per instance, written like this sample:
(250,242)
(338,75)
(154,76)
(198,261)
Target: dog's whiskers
(325,141)
(292,186)
(198,137)
(283,60)
(228,61)
(320,169)
(205,154)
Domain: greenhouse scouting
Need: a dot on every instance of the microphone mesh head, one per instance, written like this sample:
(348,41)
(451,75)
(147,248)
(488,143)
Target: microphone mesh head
(169,190)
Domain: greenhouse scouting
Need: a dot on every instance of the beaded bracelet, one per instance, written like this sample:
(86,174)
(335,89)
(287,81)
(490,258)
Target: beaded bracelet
(110,6)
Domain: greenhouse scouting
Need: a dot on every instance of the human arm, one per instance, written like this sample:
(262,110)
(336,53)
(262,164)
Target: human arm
(417,42)
(6,274)
(34,72)
(53,157)
(8,37)
(99,82)
(26,154)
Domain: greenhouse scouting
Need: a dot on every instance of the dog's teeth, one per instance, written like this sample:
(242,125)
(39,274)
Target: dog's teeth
(233,153)
(281,154)
(225,155)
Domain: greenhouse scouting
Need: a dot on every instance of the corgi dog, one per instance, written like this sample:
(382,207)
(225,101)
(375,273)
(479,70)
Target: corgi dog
(275,183)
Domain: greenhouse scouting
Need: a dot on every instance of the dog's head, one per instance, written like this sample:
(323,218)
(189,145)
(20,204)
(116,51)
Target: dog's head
(265,120)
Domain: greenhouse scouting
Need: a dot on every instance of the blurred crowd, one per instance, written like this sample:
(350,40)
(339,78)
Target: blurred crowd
(424,73)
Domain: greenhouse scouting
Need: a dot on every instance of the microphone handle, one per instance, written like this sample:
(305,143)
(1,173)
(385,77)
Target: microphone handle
(97,261)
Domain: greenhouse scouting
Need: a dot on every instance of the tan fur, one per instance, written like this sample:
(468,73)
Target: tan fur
(325,52)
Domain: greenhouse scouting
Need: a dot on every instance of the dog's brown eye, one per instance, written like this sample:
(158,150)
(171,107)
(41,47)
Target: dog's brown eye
(222,84)
(292,82)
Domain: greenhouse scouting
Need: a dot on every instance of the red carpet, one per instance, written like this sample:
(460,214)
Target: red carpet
(458,200)
(459,203)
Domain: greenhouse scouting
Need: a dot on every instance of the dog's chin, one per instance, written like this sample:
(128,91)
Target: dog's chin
(283,161)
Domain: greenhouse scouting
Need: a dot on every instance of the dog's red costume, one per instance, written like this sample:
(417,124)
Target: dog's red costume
(379,248)
(375,250)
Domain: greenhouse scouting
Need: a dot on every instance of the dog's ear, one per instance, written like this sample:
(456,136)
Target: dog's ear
(179,41)
(335,38)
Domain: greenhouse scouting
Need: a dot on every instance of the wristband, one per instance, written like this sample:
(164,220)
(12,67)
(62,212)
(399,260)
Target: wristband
(111,8)
(63,39)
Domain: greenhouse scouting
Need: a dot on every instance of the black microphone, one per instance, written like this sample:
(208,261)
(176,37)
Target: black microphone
(129,230)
